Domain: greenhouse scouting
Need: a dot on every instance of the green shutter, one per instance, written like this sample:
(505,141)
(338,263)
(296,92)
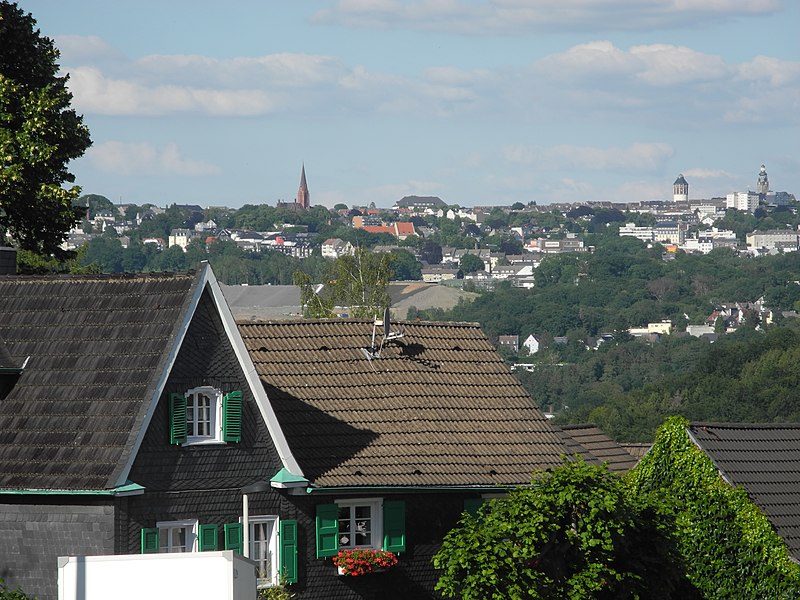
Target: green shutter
(208,537)
(149,540)
(177,419)
(233,537)
(327,530)
(232,417)
(394,525)
(471,505)
(288,557)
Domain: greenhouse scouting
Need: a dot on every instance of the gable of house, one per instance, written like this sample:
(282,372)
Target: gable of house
(765,460)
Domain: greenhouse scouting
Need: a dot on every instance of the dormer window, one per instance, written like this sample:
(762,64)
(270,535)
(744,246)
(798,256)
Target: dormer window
(203,415)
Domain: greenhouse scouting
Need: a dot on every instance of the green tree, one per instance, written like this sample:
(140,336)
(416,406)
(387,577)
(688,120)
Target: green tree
(39,135)
(730,548)
(577,532)
(470,263)
(357,283)
(404,266)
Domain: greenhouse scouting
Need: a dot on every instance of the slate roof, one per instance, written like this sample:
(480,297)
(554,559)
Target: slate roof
(765,460)
(596,444)
(97,345)
(438,408)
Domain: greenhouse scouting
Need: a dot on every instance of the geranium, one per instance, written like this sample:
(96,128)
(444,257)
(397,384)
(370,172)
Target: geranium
(360,561)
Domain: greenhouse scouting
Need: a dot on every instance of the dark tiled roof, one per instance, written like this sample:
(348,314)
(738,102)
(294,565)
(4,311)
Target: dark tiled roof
(765,460)
(96,345)
(600,447)
(6,362)
(637,450)
(438,408)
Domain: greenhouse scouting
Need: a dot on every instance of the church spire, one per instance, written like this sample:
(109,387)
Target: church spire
(303,195)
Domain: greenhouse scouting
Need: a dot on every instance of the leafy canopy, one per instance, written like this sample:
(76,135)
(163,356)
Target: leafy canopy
(39,135)
(730,548)
(577,532)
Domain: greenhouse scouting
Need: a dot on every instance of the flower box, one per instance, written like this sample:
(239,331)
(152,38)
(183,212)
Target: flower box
(363,561)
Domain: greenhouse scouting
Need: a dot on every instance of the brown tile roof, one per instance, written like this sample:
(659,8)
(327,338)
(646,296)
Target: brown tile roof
(599,446)
(765,460)
(637,450)
(96,346)
(438,408)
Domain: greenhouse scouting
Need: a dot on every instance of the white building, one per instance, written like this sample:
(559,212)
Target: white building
(774,239)
(646,234)
(742,201)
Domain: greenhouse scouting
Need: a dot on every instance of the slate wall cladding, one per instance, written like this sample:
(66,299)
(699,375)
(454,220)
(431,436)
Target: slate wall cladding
(36,531)
(204,481)
(429,516)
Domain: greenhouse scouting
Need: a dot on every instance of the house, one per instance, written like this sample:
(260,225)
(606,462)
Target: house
(532,344)
(509,341)
(764,459)
(129,422)
(136,417)
(336,247)
(402,439)
(435,274)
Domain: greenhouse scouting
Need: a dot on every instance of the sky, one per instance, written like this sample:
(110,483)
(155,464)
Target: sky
(478,102)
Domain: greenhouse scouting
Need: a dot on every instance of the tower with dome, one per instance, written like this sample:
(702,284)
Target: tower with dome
(680,190)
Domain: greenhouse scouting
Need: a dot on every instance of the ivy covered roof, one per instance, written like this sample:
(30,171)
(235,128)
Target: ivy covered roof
(765,460)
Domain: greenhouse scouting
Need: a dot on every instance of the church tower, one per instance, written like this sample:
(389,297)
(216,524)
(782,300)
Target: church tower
(680,190)
(303,196)
(762,187)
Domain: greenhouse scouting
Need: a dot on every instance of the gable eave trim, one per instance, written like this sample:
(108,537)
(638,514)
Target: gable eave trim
(253,380)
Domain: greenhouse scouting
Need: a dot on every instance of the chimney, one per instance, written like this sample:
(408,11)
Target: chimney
(8,260)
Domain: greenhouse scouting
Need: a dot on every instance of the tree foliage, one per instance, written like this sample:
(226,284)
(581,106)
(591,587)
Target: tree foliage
(357,284)
(576,532)
(729,547)
(39,135)
(470,263)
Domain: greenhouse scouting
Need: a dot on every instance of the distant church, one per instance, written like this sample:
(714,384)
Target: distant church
(303,200)
(680,190)
(762,186)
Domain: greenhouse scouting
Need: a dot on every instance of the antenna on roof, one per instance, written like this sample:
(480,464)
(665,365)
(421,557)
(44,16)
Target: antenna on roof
(388,335)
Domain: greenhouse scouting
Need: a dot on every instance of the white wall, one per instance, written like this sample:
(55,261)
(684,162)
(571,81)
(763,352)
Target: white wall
(197,575)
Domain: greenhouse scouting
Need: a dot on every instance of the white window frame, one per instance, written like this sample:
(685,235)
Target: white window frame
(271,578)
(190,525)
(376,518)
(215,425)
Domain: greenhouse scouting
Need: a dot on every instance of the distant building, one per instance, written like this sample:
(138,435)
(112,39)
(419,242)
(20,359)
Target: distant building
(742,201)
(420,204)
(774,239)
(762,185)
(180,237)
(303,200)
(645,234)
(436,274)
(680,190)
(335,247)
(509,341)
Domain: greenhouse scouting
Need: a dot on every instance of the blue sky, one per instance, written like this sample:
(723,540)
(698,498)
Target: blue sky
(478,102)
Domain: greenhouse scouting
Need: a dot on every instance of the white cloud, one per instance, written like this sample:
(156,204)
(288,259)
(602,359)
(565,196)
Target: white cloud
(76,49)
(765,69)
(120,158)
(491,17)
(700,173)
(636,157)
